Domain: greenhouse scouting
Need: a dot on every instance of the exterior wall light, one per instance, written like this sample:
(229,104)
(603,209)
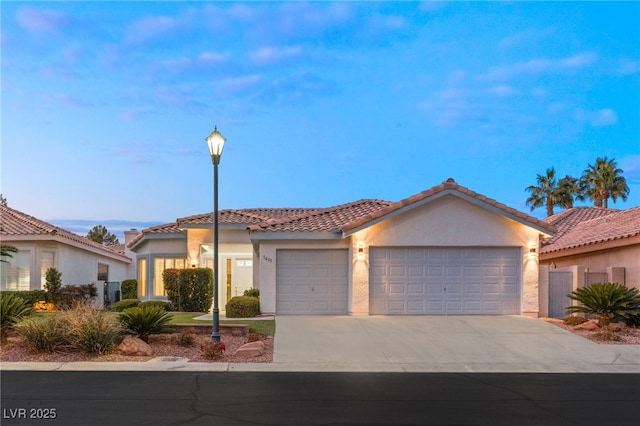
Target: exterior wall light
(360,250)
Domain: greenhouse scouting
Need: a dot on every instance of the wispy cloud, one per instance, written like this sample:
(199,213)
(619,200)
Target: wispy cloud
(540,65)
(525,38)
(599,118)
(272,55)
(42,21)
(202,61)
(152,27)
(631,168)
(237,85)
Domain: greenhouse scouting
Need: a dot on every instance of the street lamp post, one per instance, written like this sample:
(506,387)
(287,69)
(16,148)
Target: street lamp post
(215,141)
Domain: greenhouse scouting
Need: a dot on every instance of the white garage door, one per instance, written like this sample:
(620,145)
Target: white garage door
(438,280)
(312,282)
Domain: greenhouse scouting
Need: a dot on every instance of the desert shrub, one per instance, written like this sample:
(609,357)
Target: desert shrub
(574,320)
(189,290)
(608,333)
(252,292)
(186,340)
(142,321)
(72,295)
(49,334)
(91,330)
(165,306)
(632,321)
(212,350)
(129,289)
(53,286)
(242,307)
(607,301)
(124,304)
(30,297)
(12,310)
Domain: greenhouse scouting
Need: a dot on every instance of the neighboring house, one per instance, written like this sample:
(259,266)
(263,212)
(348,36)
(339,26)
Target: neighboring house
(42,245)
(447,250)
(592,245)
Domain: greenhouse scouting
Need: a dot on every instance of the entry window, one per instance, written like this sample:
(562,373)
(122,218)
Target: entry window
(142,277)
(14,271)
(47,260)
(159,266)
(103,272)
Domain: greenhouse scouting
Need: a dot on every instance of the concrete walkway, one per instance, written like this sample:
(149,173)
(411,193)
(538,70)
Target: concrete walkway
(407,344)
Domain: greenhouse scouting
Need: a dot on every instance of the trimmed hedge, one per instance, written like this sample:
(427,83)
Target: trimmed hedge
(242,307)
(253,292)
(30,297)
(129,289)
(165,306)
(124,304)
(189,290)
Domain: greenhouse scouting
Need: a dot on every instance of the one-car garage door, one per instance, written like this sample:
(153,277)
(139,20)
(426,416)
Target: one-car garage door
(312,282)
(439,280)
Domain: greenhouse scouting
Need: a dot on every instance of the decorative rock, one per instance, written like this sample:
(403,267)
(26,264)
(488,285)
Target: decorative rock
(134,347)
(250,350)
(589,326)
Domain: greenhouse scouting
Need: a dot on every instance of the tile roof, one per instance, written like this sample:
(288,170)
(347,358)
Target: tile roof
(448,185)
(168,228)
(329,219)
(14,223)
(244,216)
(601,227)
(568,219)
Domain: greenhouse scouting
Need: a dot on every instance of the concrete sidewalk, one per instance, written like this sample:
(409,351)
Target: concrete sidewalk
(490,344)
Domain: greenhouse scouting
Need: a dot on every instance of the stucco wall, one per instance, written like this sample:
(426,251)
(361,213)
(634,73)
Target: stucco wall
(267,265)
(627,257)
(448,221)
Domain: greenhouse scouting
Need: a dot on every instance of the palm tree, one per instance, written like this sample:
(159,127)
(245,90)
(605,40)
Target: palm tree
(602,181)
(6,250)
(551,193)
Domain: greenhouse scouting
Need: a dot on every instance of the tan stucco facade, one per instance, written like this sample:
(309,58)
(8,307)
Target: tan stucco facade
(448,221)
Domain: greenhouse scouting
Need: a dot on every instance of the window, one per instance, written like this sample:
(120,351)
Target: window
(14,271)
(159,265)
(103,272)
(47,260)
(142,277)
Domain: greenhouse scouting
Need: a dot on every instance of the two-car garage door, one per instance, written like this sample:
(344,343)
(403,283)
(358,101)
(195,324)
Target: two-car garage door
(442,280)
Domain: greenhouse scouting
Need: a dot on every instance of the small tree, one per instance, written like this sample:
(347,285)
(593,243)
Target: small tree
(607,301)
(101,235)
(53,286)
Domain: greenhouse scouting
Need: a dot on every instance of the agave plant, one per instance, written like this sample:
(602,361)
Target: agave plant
(12,310)
(607,301)
(142,321)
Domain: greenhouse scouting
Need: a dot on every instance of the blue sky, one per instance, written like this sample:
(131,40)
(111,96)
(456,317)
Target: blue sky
(105,106)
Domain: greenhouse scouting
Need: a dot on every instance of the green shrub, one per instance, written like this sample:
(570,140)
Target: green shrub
(252,292)
(72,295)
(129,289)
(574,320)
(145,320)
(165,306)
(91,330)
(53,286)
(607,301)
(242,307)
(12,310)
(186,340)
(608,333)
(30,297)
(189,290)
(124,304)
(48,334)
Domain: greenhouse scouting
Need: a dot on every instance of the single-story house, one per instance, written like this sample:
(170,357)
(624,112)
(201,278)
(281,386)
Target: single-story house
(42,246)
(447,250)
(591,245)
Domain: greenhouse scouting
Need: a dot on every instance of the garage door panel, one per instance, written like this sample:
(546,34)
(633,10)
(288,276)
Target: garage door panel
(312,282)
(447,280)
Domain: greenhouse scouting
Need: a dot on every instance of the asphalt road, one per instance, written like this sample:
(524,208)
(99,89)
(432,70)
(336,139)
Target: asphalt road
(249,398)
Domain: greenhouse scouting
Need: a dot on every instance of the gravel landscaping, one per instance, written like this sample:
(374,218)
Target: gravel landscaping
(625,335)
(164,345)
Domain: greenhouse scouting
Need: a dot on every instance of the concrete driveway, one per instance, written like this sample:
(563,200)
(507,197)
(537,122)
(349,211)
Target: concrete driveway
(441,344)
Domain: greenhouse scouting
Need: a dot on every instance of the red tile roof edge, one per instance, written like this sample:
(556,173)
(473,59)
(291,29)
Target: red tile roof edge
(447,185)
(44,228)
